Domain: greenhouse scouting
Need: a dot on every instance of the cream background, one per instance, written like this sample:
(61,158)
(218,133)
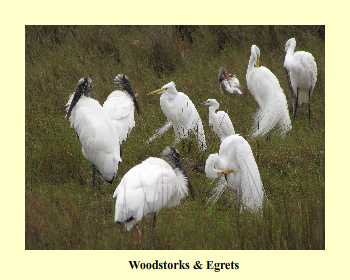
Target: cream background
(18,263)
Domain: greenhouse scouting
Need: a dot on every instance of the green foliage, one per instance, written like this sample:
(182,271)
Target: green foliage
(62,209)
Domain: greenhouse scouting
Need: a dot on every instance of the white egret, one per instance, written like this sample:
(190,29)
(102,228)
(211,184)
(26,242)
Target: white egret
(181,114)
(267,92)
(236,168)
(98,138)
(228,83)
(220,121)
(301,69)
(150,186)
(120,106)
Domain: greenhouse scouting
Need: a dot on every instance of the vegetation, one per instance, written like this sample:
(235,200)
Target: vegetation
(63,211)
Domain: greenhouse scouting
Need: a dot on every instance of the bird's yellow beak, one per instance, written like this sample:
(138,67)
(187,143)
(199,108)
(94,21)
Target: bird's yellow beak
(226,172)
(258,61)
(158,91)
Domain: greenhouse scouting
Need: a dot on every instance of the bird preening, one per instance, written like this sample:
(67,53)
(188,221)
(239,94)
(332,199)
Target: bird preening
(268,94)
(235,167)
(162,182)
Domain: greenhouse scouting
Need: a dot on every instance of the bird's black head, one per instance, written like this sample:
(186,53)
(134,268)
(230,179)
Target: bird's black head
(83,87)
(173,156)
(122,82)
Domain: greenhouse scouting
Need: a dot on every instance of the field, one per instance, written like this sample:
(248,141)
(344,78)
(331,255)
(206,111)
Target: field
(62,209)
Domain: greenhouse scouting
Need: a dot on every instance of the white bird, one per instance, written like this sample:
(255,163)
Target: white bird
(301,69)
(220,121)
(150,186)
(181,114)
(120,106)
(228,83)
(236,168)
(98,138)
(267,92)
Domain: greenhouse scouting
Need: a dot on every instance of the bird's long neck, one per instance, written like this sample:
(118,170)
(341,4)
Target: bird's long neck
(213,108)
(251,63)
(290,50)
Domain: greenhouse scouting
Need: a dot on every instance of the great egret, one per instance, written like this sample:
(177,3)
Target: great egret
(148,187)
(120,106)
(228,83)
(302,73)
(220,121)
(98,138)
(236,168)
(267,92)
(181,114)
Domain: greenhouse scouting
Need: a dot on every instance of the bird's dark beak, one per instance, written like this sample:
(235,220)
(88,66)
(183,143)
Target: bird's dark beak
(75,100)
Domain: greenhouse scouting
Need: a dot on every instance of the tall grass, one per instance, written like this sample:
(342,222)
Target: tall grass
(62,209)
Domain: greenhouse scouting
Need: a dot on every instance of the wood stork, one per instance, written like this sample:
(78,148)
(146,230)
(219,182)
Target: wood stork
(301,69)
(236,168)
(228,83)
(267,92)
(120,106)
(148,187)
(181,114)
(98,138)
(220,121)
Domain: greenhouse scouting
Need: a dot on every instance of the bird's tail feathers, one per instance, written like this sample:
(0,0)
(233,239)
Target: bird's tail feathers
(159,132)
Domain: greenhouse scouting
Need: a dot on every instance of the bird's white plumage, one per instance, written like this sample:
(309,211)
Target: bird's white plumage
(219,121)
(235,154)
(231,85)
(182,114)
(97,136)
(146,188)
(267,92)
(302,70)
(119,106)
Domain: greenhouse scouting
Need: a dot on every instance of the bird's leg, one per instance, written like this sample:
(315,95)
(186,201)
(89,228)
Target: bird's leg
(296,105)
(309,106)
(153,229)
(94,171)
(137,234)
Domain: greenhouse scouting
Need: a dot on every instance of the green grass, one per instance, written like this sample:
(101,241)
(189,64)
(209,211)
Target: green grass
(62,209)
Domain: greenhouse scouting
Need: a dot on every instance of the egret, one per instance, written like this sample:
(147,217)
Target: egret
(120,106)
(228,83)
(181,114)
(267,92)
(148,187)
(235,167)
(220,121)
(301,69)
(98,138)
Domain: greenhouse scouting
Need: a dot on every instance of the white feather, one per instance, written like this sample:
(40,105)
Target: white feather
(219,121)
(302,70)
(146,188)
(231,85)
(182,114)
(235,154)
(267,92)
(97,136)
(119,106)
